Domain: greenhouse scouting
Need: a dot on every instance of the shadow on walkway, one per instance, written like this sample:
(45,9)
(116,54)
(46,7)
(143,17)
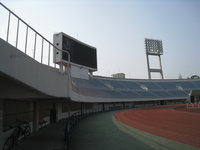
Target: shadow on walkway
(50,137)
(98,132)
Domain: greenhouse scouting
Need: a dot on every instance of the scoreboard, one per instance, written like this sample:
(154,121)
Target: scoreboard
(80,53)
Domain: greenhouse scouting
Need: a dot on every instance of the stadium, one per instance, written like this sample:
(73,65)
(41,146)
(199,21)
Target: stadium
(45,84)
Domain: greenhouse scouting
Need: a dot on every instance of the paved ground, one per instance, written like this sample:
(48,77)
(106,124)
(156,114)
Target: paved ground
(50,137)
(100,133)
(105,132)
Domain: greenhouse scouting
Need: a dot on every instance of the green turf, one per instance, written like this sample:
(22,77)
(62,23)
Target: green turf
(104,132)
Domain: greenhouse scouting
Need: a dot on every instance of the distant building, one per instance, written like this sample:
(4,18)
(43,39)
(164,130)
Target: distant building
(195,77)
(118,75)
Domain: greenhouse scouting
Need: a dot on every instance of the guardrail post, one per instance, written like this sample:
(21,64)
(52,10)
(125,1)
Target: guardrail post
(49,55)
(26,39)
(8,28)
(35,45)
(17,33)
(42,50)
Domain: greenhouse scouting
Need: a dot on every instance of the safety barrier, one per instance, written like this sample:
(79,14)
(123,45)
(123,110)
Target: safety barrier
(31,42)
(192,105)
(77,116)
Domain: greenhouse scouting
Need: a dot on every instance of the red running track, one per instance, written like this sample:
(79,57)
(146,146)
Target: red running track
(173,122)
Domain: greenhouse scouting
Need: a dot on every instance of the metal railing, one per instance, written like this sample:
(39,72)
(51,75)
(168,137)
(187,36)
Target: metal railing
(38,45)
(72,120)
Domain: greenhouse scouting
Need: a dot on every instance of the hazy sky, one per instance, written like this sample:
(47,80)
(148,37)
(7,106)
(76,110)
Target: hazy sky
(117,28)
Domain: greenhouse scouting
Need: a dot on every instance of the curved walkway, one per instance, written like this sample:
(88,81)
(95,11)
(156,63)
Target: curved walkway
(98,132)
(104,132)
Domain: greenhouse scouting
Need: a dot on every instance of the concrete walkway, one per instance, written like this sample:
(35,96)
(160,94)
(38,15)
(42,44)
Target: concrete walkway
(50,137)
(98,132)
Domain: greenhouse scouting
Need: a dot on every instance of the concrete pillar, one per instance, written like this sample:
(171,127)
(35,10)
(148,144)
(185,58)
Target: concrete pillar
(124,106)
(81,109)
(61,66)
(1,115)
(58,111)
(36,116)
(53,114)
(103,107)
(69,109)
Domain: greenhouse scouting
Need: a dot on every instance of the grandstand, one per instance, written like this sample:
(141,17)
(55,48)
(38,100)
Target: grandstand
(130,90)
(33,89)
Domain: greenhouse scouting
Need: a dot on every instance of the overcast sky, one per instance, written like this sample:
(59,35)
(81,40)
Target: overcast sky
(117,28)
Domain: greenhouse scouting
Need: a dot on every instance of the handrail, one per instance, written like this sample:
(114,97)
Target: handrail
(36,33)
(25,22)
(42,50)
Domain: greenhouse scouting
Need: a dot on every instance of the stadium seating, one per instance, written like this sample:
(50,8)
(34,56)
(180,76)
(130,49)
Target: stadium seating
(134,89)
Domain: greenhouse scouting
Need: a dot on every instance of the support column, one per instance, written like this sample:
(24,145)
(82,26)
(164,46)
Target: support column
(161,72)
(61,66)
(59,111)
(81,109)
(1,115)
(69,109)
(124,106)
(149,73)
(35,116)
(53,114)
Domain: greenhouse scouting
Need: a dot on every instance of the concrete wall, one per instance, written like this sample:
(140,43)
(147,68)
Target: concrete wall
(28,71)
(16,110)
(26,111)
(13,89)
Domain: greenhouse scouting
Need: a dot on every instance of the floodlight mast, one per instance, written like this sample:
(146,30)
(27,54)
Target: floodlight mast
(154,48)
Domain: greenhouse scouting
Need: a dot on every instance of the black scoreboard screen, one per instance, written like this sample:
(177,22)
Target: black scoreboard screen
(80,53)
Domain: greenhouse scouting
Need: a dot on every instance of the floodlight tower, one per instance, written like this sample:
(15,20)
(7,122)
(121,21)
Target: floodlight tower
(154,48)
